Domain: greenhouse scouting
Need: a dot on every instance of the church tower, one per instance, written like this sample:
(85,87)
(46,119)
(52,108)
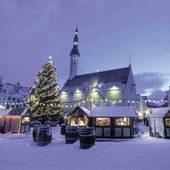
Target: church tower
(74,55)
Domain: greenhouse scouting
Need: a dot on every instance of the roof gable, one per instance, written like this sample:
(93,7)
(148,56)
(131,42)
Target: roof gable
(81,110)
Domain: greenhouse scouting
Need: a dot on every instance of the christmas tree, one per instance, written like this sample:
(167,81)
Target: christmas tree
(44,98)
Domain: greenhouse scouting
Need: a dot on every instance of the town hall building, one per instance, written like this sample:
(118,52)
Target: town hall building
(104,88)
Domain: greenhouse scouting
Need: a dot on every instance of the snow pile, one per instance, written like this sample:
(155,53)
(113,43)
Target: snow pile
(19,152)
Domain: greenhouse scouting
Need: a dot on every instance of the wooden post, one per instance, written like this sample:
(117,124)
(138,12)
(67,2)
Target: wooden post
(20,124)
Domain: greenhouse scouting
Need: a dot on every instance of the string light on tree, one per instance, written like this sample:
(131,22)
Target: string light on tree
(44,98)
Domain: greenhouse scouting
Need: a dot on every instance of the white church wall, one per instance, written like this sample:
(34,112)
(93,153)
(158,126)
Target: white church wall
(130,90)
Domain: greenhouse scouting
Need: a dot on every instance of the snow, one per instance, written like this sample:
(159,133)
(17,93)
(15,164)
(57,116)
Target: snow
(159,112)
(24,112)
(4,112)
(2,107)
(113,111)
(19,152)
(87,111)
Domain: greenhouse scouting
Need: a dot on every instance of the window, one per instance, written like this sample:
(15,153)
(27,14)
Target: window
(76,120)
(103,121)
(168,132)
(167,122)
(107,131)
(98,131)
(126,132)
(25,120)
(118,132)
(124,121)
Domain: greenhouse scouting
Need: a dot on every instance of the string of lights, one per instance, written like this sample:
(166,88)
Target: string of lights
(113,93)
(88,100)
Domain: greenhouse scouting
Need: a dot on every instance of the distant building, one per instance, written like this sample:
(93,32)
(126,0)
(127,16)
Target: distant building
(167,98)
(105,88)
(13,95)
(142,106)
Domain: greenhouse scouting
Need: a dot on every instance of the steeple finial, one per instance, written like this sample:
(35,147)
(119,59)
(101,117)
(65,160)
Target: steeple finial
(129,60)
(75,50)
(77,23)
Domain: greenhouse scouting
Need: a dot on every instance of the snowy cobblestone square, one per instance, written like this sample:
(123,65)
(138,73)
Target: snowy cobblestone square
(19,152)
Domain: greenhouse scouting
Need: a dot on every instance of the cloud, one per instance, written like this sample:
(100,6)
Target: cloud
(157,95)
(150,81)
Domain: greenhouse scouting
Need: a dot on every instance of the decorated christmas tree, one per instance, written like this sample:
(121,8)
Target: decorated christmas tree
(44,98)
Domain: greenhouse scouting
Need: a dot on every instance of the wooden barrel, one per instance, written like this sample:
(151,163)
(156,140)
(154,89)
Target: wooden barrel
(87,137)
(62,129)
(71,134)
(34,132)
(43,135)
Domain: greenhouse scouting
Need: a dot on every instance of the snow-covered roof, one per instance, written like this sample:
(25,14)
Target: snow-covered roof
(13,112)
(4,112)
(24,112)
(109,76)
(113,111)
(159,112)
(85,110)
(17,112)
(2,107)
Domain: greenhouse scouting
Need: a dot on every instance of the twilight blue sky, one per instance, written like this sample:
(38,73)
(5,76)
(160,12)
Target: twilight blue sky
(109,30)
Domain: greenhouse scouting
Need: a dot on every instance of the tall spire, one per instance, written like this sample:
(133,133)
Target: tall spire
(75,50)
(74,55)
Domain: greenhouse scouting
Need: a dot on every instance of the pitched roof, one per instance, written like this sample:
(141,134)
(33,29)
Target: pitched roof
(16,111)
(99,78)
(159,112)
(85,110)
(4,112)
(2,107)
(13,112)
(113,111)
(152,105)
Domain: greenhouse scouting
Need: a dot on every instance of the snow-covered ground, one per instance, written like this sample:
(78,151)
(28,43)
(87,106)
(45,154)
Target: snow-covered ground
(19,152)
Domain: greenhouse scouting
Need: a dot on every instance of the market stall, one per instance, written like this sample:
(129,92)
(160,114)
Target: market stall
(78,117)
(113,122)
(159,122)
(14,121)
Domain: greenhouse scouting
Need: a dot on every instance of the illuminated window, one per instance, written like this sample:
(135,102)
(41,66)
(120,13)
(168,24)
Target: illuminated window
(102,121)
(25,120)
(122,121)
(78,121)
(167,122)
